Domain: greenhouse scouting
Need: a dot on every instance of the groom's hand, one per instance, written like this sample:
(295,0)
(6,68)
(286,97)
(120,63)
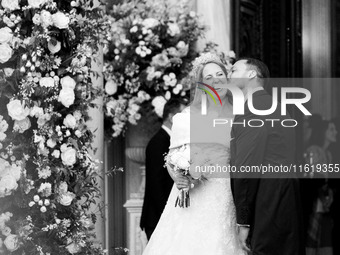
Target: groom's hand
(243,233)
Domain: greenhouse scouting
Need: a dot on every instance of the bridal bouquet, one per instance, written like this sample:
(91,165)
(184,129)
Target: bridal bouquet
(185,160)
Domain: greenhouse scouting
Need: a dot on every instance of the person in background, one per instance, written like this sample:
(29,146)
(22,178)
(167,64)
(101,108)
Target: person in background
(158,182)
(318,193)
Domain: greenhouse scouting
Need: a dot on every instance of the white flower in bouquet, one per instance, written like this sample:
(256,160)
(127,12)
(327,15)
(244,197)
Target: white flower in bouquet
(167,95)
(46,18)
(68,156)
(111,87)
(143,96)
(43,119)
(150,23)
(170,80)
(22,125)
(183,48)
(10,4)
(30,204)
(46,189)
(3,128)
(56,153)
(66,198)
(111,106)
(8,71)
(68,83)
(43,209)
(73,248)
(12,243)
(70,121)
(6,53)
(6,35)
(54,46)
(36,19)
(172,51)
(36,198)
(160,60)
(177,89)
(17,110)
(60,20)
(36,111)
(8,22)
(51,143)
(173,29)
(66,97)
(35,3)
(44,173)
(7,185)
(158,103)
(6,231)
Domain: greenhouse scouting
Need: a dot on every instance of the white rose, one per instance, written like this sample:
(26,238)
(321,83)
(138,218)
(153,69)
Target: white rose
(173,29)
(110,87)
(36,198)
(36,112)
(17,110)
(70,121)
(35,3)
(6,35)
(77,133)
(183,48)
(46,18)
(54,48)
(51,143)
(22,125)
(56,153)
(66,198)
(43,209)
(7,185)
(8,71)
(6,53)
(60,20)
(69,156)
(68,83)
(158,103)
(30,204)
(73,248)
(66,97)
(11,242)
(47,82)
(36,19)
(47,202)
(150,23)
(10,4)
(6,231)
(40,202)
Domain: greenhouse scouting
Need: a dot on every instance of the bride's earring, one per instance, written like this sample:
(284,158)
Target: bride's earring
(204,103)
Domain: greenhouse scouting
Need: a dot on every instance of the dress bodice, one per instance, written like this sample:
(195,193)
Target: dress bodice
(191,126)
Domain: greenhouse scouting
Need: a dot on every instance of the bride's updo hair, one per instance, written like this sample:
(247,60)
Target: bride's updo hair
(197,73)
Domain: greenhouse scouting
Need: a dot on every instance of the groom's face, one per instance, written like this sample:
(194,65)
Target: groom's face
(239,74)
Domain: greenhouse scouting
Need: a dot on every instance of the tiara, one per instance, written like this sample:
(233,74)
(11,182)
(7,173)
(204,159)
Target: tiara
(226,59)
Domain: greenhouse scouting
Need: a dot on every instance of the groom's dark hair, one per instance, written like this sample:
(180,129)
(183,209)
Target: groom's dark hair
(172,106)
(258,66)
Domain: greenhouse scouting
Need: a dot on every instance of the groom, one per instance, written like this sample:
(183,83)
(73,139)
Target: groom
(267,209)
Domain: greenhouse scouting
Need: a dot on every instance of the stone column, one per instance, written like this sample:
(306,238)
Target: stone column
(96,125)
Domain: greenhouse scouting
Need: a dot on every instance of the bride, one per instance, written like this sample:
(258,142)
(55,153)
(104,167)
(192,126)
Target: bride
(208,224)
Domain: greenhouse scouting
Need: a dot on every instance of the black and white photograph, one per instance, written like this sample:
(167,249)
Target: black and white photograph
(169,127)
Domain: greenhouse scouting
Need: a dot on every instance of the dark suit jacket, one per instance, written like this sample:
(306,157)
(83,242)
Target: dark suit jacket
(271,206)
(158,181)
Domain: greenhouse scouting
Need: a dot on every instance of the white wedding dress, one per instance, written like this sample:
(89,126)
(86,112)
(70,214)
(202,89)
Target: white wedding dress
(208,225)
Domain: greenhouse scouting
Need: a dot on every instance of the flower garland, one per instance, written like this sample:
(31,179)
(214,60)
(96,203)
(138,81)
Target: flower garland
(149,59)
(47,176)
